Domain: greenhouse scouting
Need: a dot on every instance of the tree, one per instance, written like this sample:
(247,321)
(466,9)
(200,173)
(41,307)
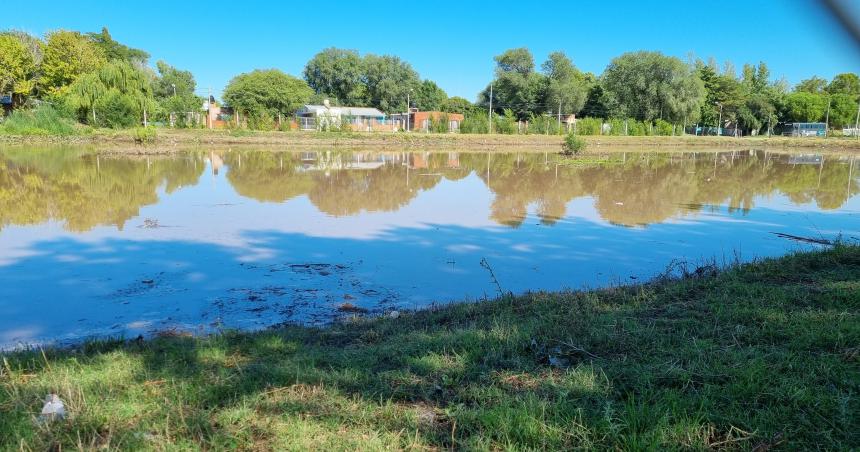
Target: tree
(518,61)
(567,87)
(119,91)
(804,106)
(114,50)
(17,69)
(516,87)
(815,85)
(174,90)
(429,97)
(337,73)
(67,56)
(264,94)
(847,83)
(650,85)
(843,110)
(388,80)
(457,105)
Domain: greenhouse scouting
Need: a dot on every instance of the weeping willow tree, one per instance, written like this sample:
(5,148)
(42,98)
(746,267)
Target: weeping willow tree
(121,93)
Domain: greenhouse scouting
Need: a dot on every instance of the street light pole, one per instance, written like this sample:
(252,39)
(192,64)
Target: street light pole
(490,114)
(720,121)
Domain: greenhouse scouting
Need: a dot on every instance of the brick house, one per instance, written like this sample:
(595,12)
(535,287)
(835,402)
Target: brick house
(421,120)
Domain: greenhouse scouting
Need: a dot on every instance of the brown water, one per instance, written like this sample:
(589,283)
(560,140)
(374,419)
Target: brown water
(94,244)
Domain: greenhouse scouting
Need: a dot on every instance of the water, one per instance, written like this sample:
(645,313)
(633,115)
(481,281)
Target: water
(101,245)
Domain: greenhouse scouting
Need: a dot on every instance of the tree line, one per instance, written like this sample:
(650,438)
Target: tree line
(101,82)
(92,78)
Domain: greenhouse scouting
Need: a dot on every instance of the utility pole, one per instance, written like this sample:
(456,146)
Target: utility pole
(209,108)
(720,121)
(559,116)
(827,117)
(857,123)
(407,109)
(490,114)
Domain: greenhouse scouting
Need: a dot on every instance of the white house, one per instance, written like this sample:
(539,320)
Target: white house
(318,117)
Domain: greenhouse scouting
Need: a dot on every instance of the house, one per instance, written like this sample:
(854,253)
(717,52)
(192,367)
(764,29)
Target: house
(421,120)
(358,119)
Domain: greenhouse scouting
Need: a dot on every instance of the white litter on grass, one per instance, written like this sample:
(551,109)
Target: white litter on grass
(53,409)
(393,314)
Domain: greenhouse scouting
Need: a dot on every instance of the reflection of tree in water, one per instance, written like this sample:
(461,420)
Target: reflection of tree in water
(82,189)
(267,176)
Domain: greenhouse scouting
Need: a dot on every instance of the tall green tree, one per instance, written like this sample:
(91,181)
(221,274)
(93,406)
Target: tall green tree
(815,85)
(263,94)
(517,87)
(18,69)
(566,87)
(388,80)
(804,106)
(337,73)
(650,85)
(174,91)
(117,95)
(846,83)
(429,97)
(843,110)
(67,56)
(457,105)
(114,50)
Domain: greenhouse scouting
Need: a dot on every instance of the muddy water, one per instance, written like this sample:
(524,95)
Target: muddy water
(99,245)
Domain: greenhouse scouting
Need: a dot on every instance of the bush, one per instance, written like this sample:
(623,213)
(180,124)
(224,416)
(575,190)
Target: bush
(572,144)
(475,122)
(588,126)
(42,120)
(663,128)
(144,135)
(117,111)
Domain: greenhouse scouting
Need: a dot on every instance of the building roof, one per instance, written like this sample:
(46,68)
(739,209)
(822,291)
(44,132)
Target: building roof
(343,111)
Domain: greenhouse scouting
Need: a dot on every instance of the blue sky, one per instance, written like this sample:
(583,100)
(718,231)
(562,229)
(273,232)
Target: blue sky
(452,43)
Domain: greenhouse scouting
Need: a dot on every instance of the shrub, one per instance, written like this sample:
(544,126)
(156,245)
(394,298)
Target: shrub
(663,128)
(144,135)
(588,126)
(41,120)
(117,111)
(572,144)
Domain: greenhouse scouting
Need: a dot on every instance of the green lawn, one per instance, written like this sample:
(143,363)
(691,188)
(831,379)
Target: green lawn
(759,356)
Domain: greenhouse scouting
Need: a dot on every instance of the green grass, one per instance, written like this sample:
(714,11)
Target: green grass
(40,121)
(758,356)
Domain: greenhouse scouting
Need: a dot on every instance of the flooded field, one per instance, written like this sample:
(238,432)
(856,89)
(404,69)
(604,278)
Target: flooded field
(105,245)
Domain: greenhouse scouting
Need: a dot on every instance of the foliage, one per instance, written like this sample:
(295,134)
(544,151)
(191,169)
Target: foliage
(588,126)
(804,106)
(843,110)
(429,97)
(388,79)
(573,144)
(847,83)
(475,120)
(566,85)
(663,128)
(67,56)
(337,73)
(145,135)
(42,120)
(650,85)
(114,50)
(17,68)
(813,85)
(118,91)
(262,95)
(457,105)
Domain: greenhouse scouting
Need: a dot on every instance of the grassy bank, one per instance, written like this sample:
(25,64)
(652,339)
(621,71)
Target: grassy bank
(169,139)
(763,355)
